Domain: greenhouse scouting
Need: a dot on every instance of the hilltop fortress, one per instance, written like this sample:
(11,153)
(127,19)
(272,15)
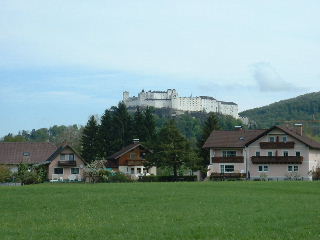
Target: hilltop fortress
(170,99)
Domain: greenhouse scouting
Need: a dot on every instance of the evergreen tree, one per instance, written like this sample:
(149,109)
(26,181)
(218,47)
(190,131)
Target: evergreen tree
(89,140)
(150,124)
(122,127)
(105,134)
(139,128)
(170,149)
(209,125)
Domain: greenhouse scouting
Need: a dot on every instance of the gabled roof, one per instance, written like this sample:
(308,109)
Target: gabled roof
(230,139)
(59,150)
(291,132)
(13,152)
(124,150)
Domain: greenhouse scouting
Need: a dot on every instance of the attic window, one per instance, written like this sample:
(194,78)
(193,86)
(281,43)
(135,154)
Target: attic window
(26,154)
(241,138)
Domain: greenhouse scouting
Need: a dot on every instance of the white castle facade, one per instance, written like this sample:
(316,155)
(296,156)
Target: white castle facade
(170,99)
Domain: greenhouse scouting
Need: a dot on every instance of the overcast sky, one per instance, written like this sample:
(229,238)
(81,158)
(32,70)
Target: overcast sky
(61,61)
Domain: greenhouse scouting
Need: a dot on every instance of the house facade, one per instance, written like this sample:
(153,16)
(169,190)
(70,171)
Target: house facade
(130,160)
(62,163)
(65,164)
(276,153)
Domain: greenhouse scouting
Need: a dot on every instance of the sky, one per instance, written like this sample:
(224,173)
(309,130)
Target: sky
(62,61)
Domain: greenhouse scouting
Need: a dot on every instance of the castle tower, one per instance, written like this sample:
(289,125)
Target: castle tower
(125,96)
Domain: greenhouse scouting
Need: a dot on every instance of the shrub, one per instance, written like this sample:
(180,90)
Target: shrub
(5,174)
(119,177)
(316,174)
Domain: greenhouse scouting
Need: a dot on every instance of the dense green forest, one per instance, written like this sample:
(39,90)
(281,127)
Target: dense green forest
(190,125)
(304,107)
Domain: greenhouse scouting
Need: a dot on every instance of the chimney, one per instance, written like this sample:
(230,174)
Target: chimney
(299,128)
(238,128)
(135,140)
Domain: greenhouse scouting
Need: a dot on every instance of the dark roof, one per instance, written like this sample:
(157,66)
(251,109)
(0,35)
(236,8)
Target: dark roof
(293,132)
(124,150)
(59,150)
(13,152)
(230,139)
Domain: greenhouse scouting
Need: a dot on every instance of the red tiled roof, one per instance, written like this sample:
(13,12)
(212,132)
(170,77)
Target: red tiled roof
(231,139)
(13,152)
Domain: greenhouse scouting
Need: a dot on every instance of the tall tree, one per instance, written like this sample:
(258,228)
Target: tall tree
(139,127)
(122,127)
(89,140)
(105,134)
(209,125)
(170,149)
(149,124)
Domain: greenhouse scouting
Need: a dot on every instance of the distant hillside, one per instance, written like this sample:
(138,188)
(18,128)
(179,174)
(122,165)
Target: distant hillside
(304,107)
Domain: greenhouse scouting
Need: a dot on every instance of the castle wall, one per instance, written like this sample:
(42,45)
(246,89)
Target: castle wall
(170,99)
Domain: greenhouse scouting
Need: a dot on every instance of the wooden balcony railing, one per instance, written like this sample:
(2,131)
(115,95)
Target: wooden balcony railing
(276,145)
(277,160)
(236,159)
(67,163)
(135,162)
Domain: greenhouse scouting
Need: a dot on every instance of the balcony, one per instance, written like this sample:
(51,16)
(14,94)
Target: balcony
(277,160)
(236,159)
(276,145)
(135,162)
(67,163)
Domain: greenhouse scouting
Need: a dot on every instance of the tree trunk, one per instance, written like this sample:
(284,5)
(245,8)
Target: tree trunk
(175,171)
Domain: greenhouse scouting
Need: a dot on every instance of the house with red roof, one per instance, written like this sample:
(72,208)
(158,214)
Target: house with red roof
(63,162)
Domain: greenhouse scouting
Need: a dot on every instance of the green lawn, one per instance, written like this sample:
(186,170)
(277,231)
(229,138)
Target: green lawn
(200,210)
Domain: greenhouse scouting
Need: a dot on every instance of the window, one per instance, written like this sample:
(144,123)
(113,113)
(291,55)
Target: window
(143,155)
(285,153)
(58,171)
(270,154)
(67,157)
(284,139)
(257,154)
(132,170)
(133,156)
(229,153)
(139,170)
(298,154)
(271,139)
(263,168)
(75,170)
(293,168)
(226,168)
(26,154)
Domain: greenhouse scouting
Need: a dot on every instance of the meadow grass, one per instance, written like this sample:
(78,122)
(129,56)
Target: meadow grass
(197,210)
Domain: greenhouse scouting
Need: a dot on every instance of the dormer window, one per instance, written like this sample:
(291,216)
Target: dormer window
(26,154)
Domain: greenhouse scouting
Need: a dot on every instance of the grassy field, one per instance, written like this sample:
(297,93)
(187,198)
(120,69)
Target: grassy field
(205,210)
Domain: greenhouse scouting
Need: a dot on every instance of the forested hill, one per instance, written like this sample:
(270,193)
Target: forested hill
(304,107)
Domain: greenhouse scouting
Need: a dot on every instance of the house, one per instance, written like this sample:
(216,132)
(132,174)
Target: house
(65,164)
(62,163)
(280,152)
(130,160)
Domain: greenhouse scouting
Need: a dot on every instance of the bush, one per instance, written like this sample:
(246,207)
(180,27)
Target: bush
(316,174)
(29,178)
(28,175)
(119,177)
(167,179)
(5,174)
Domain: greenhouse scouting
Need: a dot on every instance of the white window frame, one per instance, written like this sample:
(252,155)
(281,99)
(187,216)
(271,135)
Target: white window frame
(285,151)
(299,153)
(258,154)
(74,168)
(272,137)
(223,168)
(226,153)
(293,168)
(271,154)
(58,173)
(265,168)
(285,139)
(133,154)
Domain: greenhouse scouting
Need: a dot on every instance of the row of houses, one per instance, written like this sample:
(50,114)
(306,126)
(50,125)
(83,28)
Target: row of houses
(64,163)
(279,152)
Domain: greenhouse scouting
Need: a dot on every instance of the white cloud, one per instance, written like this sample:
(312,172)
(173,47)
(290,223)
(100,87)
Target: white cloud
(269,80)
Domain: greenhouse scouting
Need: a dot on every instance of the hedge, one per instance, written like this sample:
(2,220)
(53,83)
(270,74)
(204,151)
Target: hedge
(167,179)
